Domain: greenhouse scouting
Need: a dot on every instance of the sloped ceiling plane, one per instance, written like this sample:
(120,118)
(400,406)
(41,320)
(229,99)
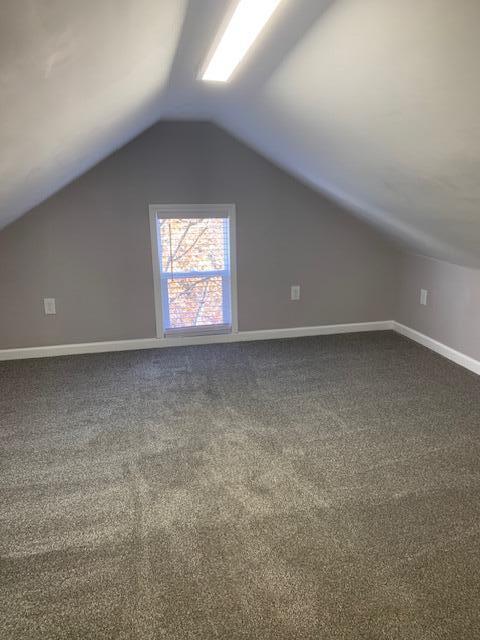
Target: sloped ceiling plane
(375,103)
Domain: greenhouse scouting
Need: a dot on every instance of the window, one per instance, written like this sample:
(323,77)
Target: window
(192,251)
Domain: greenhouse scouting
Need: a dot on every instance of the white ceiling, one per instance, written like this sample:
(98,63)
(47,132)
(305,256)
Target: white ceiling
(376,102)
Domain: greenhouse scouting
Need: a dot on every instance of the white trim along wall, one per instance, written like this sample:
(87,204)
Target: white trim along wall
(157,343)
(267,334)
(447,352)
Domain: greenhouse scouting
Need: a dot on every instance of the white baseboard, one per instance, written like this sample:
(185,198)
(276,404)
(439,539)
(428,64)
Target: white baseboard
(456,356)
(241,336)
(156,343)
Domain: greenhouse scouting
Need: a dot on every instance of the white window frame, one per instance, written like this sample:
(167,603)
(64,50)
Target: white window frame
(157,211)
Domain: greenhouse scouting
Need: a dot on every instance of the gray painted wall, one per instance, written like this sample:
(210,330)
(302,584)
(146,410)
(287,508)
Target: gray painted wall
(452,315)
(89,245)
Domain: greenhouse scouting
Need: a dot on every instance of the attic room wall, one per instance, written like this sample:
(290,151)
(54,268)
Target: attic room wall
(453,310)
(89,245)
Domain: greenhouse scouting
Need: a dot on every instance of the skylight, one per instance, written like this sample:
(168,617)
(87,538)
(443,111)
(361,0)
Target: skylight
(248,20)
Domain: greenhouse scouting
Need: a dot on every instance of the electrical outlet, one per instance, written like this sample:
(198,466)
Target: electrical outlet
(295,292)
(423,297)
(49,306)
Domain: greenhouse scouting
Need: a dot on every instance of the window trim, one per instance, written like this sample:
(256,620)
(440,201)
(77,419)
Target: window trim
(191,211)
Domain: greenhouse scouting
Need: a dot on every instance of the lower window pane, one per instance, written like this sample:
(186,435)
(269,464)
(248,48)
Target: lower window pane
(195,302)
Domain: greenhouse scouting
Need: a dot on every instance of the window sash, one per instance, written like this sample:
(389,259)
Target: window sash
(225,327)
(225,274)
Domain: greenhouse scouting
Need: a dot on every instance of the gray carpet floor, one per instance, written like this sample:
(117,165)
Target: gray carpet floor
(317,488)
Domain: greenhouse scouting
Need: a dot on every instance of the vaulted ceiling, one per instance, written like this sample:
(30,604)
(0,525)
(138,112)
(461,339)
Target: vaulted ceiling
(375,102)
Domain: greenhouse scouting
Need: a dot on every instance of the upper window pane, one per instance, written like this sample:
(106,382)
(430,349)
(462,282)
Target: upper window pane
(193,244)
